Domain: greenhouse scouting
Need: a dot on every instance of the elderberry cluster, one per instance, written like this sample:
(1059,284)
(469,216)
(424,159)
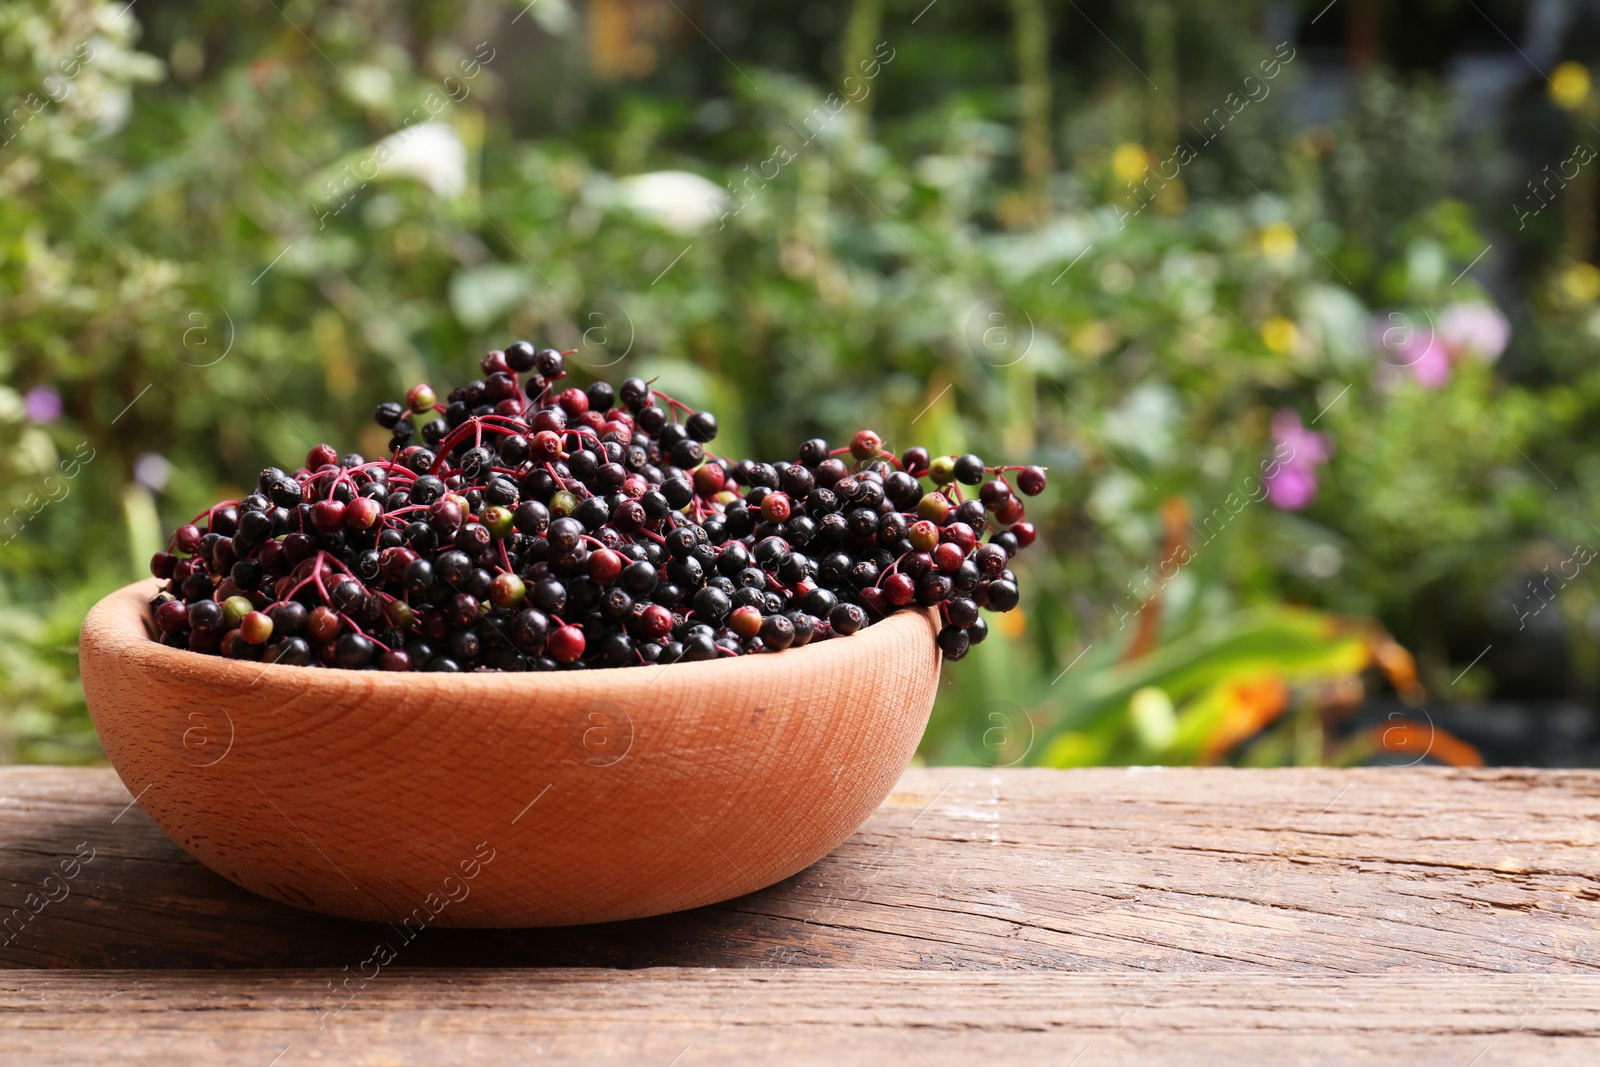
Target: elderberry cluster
(536,527)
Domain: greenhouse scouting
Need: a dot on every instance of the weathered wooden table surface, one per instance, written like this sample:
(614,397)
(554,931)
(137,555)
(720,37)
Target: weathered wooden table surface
(1087,917)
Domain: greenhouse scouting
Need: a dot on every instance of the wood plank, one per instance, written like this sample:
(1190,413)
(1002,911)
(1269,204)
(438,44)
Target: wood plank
(1287,871)
(688,1018)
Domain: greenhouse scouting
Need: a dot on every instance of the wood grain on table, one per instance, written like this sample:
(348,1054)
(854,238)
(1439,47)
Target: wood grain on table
(1143,915)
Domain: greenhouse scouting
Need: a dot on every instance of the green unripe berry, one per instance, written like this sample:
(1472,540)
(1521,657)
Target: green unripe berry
(507,590)
(499,521)
(400,614)
(943,470)
(924,534)
(933,507)
(234,609)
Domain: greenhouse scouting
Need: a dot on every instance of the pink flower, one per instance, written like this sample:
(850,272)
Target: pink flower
(1408,352)
(1292,488)
(1474,329)
(1299,450)
(1430,361)
(1305,447)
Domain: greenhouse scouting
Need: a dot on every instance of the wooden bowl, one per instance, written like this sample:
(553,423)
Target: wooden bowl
(508,799)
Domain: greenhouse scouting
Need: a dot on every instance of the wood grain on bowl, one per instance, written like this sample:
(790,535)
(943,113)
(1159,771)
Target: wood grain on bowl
(508,799)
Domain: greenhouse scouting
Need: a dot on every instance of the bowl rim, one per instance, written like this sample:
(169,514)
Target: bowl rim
(118,625)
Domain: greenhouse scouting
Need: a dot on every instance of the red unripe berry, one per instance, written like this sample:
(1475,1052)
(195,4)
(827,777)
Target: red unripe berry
(1031,480)
(899,589)
(865,444)
(745,621)
(255,628)
(546,445)
(874,602)
(363,512)
(593,420)
(622,417)
(495,363)
(162,564)
(604,566)
(775,507)
(961,534)
(509,408)
(948,557)
(172,617)
(924,534)
(1009,512)
(573,401)
(321,456)
(654,622)
(635,487)
(709,478)
(322,624)
(396,659)
(327,515)
(1025,534)
(392,562)
(565,644)
(549,419)
(187,538)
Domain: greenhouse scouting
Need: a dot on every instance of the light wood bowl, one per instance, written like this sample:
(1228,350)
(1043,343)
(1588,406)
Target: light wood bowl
(508,799)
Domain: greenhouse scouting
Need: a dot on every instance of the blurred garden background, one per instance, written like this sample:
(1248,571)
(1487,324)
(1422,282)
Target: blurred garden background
(1297,301)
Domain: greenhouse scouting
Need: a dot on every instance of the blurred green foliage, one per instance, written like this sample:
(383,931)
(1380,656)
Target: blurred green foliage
(199,253)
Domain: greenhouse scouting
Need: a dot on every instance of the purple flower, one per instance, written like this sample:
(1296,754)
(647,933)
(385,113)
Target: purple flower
(43,404)
(1407,352)
(1430,363)
(1299,451)
(1292,488)
(1306,447)
(1474,329)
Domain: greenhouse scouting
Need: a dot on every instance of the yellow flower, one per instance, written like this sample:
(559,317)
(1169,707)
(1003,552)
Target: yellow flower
(1279,335)
(1278,242)
(1092,340)
(1011,623)
(1569,85)
(1129,162)
(1155,721)
(1581,282)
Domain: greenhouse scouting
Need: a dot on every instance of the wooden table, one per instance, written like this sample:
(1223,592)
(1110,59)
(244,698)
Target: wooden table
(1312,917)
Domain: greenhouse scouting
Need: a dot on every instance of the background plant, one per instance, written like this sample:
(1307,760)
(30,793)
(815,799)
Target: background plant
(175,205)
